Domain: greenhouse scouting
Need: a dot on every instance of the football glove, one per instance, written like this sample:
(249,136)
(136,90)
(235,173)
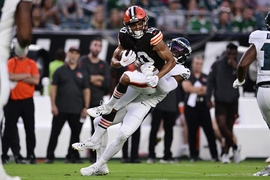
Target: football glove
(147,69)
(18,50)
(152,80)
(236,83)
(128,57)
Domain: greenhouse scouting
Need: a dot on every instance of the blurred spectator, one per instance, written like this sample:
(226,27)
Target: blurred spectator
(237,10)
(219,83)
(263,6)
(49,12)
(248,22)
(251,3)
(70,12)
(97,19)
(150,7)
(37,21)
(172,18)
(121,5)
(212,5)
(60,57)
(192,9)
(224,5)
(223,24)
(201,22)
(23,72)
(89,6)
(196,111)
(115,21)
(166,110)
(70,96)
(99,78)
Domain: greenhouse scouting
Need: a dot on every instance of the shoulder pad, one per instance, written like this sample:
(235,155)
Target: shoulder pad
(156,36)
(257,36)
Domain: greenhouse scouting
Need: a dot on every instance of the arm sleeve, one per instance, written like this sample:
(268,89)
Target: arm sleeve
(166,85)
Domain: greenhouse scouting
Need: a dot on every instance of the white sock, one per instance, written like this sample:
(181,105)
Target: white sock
(114,147)
(104,141)
(100,129)
(115,97)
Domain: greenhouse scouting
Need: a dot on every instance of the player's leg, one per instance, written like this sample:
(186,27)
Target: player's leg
(107,120)
(134,79)
(101,125)
(132,120)
(263,96)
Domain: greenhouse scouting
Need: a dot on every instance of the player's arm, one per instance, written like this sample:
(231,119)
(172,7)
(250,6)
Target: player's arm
(23,22)
(248,57)
(115,61)
(164,53)
(32,80)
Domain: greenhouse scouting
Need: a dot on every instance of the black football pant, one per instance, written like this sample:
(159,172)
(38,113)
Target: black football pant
(195,117)
(57,125)
(169,121)
(13,110)
(135,142)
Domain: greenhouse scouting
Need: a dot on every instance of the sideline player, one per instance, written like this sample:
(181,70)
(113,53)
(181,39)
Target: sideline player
(258,50)
(18,12)
(132,115)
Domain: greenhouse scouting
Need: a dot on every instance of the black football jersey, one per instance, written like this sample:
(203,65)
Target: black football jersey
(143,46)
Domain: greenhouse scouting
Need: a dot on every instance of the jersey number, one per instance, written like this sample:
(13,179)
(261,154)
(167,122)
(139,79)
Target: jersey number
(144,58)
(266,62)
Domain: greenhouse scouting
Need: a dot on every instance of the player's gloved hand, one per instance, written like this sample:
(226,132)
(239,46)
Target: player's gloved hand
(236,83)
(152,80)
(128,57)
(185,74)
(147,69)
(18,50)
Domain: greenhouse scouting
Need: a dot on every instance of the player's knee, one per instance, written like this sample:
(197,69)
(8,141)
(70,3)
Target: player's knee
(125,80)
(96,121)
(122,137)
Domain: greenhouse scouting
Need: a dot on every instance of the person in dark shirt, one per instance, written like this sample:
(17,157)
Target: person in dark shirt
(220,79)
(99,78)
(166,110)
(70,95)
(196,111)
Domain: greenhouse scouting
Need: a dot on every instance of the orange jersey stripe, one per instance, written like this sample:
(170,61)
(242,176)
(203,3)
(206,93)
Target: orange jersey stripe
(155,40)
(141,85)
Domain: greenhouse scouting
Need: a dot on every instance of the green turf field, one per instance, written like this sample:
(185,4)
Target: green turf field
(143,171)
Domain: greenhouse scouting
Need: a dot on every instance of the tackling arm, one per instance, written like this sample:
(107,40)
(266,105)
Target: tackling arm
(165,54)
(23,22)
(248,57)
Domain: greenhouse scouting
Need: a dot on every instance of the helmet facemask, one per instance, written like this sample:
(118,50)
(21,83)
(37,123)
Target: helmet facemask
(136,21)
(180,50)
(139,32)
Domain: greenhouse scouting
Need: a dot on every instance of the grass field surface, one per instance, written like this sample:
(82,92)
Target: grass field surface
(143,171)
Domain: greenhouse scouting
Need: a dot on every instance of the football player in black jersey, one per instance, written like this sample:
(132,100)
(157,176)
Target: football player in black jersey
(132,114)
(137,41)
